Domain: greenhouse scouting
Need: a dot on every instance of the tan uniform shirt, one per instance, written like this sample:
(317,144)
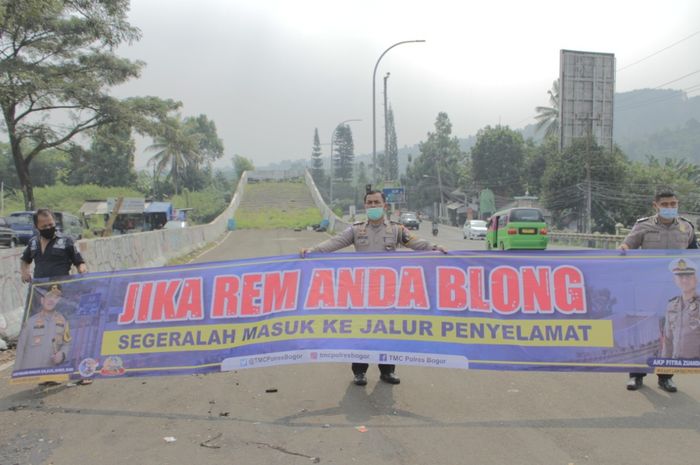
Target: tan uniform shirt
(650,233)
(682,329)
(367,237)
(43,335)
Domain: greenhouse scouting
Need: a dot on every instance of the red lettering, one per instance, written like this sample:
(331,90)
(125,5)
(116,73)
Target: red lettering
(382,288)
(451,288)
(225,300)
(280,291)
(129,310)
(351,283)
(537,297)
(569,290)
(250,297)
(164,300)
(412,292)
(144,301)
(505,290)
(320,293)
(477,289)
(190,305)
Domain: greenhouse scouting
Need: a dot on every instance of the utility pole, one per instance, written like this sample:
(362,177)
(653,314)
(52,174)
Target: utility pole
(387,163)
(587,228)
(588,195)
(439,180)
(374,106)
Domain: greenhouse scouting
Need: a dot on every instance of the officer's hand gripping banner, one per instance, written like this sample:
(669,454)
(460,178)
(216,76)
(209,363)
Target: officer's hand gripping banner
(544,310)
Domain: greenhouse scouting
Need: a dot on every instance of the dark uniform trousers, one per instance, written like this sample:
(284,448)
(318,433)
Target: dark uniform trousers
(384,369)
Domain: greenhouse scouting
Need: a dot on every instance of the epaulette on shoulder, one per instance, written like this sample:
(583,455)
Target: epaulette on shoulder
(687,221)
(642,220)
(673,299)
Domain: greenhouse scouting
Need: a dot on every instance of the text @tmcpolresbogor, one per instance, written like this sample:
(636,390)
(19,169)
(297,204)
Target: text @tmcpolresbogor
(533,333)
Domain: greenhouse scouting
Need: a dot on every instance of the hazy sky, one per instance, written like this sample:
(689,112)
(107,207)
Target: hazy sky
(269,72)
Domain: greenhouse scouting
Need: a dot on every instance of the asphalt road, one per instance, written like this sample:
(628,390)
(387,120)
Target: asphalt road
(435,416)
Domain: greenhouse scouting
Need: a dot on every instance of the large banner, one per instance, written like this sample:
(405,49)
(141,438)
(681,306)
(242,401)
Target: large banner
(544,310)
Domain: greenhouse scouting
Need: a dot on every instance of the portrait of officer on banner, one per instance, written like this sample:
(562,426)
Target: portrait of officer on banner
(45,339)
(681,332)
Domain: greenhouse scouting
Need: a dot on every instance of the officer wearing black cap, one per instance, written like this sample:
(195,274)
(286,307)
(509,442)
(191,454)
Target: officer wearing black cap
(682,322)
(664,230)
(44,341)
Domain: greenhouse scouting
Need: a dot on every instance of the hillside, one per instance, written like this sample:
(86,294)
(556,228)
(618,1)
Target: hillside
(658,122)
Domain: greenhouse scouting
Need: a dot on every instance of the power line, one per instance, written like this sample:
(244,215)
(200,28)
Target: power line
(658,51)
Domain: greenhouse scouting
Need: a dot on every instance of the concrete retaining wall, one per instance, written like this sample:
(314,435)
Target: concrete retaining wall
(140,250)
(335,224)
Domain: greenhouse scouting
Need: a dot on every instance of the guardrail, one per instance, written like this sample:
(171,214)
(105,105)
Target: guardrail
(596,241)
(335,223)
(139,250)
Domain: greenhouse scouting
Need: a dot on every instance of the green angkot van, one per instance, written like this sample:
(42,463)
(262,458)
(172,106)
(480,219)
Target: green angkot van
(517,228)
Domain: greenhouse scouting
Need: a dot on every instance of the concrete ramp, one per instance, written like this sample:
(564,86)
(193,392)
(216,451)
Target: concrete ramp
(280,195)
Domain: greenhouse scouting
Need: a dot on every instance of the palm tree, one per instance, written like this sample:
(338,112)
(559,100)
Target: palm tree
(175,147)
(549,116)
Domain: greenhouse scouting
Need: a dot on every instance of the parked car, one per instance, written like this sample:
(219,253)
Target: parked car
(66,223)
(23,225)
(8,237)
(517,228)
(409,220)
(69,225)
(474,229)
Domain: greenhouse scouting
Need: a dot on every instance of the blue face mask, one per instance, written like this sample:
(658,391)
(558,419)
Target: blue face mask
(375,213)
(668,213)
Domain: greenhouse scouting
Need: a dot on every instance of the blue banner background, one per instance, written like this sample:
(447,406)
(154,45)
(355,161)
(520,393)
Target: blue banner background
(628,293)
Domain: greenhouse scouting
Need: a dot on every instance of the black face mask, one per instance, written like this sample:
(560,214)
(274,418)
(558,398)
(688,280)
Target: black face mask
(48,233)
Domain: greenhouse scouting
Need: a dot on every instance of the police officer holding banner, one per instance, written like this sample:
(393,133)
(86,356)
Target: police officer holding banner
(682,322)
(377,234)
(664,230)
(45,338)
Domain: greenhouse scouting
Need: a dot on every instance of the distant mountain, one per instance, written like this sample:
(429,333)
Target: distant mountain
(659,122)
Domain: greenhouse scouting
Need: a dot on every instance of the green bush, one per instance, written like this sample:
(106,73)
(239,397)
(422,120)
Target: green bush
(206,204)
(61,197)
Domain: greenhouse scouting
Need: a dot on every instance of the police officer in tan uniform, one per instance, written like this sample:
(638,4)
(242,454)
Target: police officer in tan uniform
(682,322)
(374,235)
(664,230)
(45,338)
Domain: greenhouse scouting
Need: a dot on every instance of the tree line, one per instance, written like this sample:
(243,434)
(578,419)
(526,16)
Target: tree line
(57,67)
(621,190)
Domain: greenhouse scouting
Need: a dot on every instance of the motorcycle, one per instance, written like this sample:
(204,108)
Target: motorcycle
(435,229)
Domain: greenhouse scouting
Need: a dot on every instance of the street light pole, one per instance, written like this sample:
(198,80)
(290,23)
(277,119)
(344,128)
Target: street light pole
(330,189)
(387,163)
(374,106)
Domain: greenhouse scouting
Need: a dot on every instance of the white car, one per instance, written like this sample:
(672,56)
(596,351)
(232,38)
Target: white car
(474,229)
